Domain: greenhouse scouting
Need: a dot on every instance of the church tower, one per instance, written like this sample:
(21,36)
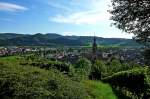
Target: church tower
(94,50)
(94,47)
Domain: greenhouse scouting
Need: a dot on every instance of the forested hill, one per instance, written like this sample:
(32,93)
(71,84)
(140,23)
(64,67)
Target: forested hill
(53,39)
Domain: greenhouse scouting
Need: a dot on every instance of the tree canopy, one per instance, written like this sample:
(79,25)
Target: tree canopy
(133,16)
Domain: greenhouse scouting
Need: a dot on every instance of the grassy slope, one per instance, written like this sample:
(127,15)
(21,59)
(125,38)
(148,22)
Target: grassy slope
(95,89)
(18,81)
(99,90)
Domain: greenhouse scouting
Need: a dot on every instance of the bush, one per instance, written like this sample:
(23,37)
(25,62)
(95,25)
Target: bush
(26,82)
(83,67)
(115,66)
(63,67)
(99,70)
(146,54)
(135,81)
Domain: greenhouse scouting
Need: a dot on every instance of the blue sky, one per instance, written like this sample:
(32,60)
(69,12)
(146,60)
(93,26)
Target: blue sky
(66,17)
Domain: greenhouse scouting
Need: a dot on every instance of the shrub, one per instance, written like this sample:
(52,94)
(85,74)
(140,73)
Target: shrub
(146,54)
(99,70)
(83,67)
(26,82)
(63,67)
(115,66)
(135,81)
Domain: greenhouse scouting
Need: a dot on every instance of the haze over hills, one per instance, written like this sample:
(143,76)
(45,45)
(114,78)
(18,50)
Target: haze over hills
(53,39)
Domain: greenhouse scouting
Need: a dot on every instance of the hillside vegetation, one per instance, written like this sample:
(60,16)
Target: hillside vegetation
(52,39)
(31,76)
(20,79)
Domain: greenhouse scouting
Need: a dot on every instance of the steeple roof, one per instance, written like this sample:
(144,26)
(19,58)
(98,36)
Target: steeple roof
(94,47)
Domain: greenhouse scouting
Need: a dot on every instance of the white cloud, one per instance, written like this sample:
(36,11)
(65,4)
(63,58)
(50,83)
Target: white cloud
(11,7)
(85,17)
(59,6)
(96,12)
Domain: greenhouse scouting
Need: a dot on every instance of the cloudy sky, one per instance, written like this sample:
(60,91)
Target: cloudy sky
(66,17)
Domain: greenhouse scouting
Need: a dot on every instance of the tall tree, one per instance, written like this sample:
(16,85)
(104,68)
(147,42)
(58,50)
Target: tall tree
(133,16)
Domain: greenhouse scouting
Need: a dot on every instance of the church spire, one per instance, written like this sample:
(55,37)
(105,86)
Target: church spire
(94,44)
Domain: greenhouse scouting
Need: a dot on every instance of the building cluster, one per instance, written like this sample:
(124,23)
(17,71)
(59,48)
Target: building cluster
(13,50)
(123,54)
(64,55)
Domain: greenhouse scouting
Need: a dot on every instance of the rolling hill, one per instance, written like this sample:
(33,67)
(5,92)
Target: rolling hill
(53,39)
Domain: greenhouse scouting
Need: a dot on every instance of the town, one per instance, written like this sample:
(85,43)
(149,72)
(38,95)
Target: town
(72,54)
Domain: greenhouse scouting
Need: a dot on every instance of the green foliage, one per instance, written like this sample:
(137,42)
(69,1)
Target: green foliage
(115,66)
(99,70)
(32,82)
(63,67)
(132,16)
(23,79)
(99,90)
(83,67)
(56,40)
(147,56)
(135,81)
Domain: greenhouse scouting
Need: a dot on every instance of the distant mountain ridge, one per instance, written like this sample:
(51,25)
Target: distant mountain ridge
(54,39)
